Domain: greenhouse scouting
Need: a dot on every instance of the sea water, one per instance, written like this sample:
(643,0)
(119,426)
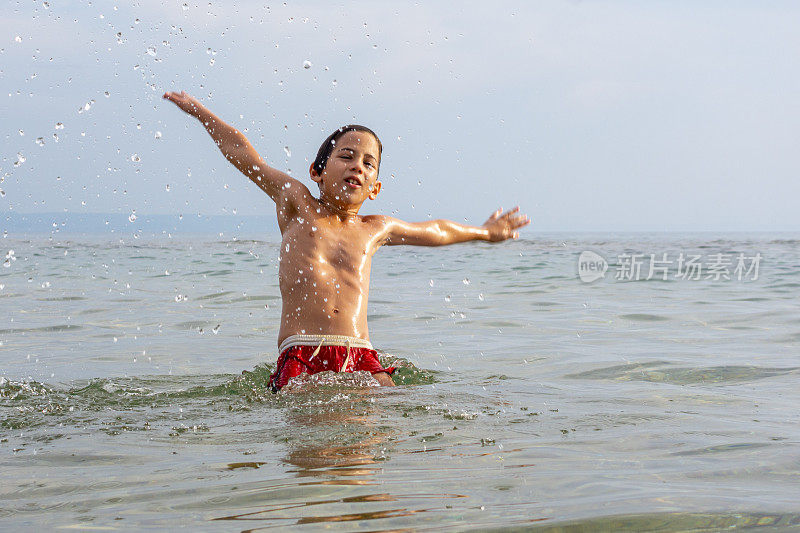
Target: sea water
(133,392)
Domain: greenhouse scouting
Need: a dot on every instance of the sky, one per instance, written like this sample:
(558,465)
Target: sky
(592,116)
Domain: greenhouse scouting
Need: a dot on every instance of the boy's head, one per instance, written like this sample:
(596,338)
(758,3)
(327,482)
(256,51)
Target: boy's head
(328,145)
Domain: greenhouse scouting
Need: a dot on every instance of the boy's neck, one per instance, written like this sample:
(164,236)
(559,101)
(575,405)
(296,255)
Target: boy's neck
(341,212)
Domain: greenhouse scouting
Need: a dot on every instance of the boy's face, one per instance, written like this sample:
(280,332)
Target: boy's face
(350,176)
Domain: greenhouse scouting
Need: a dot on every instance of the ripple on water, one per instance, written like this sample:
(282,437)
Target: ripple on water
(643,317)
(650,371)
(677,521)
(44,329)
(214,295)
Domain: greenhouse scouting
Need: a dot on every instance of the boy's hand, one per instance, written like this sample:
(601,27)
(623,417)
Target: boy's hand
(186,102)
(502,226)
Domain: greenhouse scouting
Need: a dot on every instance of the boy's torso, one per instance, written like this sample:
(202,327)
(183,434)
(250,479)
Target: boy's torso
(324,270)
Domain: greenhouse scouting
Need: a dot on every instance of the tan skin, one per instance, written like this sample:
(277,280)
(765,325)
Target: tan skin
(327,247)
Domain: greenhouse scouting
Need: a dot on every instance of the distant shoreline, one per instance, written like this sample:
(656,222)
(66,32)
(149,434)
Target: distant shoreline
(116,223)
(247,226)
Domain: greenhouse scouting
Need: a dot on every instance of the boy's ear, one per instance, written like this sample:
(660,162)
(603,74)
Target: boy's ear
(373,192)
(315,176)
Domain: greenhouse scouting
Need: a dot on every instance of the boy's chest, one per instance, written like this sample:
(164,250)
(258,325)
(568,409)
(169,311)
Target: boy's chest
(341,246)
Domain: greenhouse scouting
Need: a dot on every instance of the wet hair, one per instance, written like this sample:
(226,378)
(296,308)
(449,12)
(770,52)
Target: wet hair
(329,144)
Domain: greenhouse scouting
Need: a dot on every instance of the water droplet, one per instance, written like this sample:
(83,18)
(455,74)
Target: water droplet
(167,187)
(185,7)
(211,61)
(215,330)
(447,298)
(430,283)
(157,135)
(55,137)
(288,151)
(21,133)
(306,64)
(40,141)
(107,94)
(480,297)
(465,281)
(334,83)
(135,158)
(59,126)
(18,39)
(132,217)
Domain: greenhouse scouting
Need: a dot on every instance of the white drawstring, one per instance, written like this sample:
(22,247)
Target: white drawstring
(317,350)
(347,359)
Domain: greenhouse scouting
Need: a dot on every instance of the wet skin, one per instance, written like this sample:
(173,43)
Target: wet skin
(327,247)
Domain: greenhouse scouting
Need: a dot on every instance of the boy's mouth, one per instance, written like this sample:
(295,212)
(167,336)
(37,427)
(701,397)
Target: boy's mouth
(353,182)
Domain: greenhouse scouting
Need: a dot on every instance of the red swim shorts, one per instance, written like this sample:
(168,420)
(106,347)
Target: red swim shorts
(300,358)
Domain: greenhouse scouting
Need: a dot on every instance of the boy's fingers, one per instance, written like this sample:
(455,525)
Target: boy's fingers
(519,221)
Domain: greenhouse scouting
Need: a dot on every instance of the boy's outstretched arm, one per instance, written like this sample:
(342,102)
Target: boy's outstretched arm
(234,146)
(499,227)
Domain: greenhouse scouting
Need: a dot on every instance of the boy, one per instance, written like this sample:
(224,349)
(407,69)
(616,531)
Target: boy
(327,247)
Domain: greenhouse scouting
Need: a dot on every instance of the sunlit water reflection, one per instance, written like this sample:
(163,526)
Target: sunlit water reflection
(134,392)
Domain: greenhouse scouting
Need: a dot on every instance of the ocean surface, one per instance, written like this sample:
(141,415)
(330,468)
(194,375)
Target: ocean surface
(133,392)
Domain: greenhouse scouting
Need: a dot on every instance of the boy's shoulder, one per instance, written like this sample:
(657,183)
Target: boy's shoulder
(377,221)
(379,226)
(296,195)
